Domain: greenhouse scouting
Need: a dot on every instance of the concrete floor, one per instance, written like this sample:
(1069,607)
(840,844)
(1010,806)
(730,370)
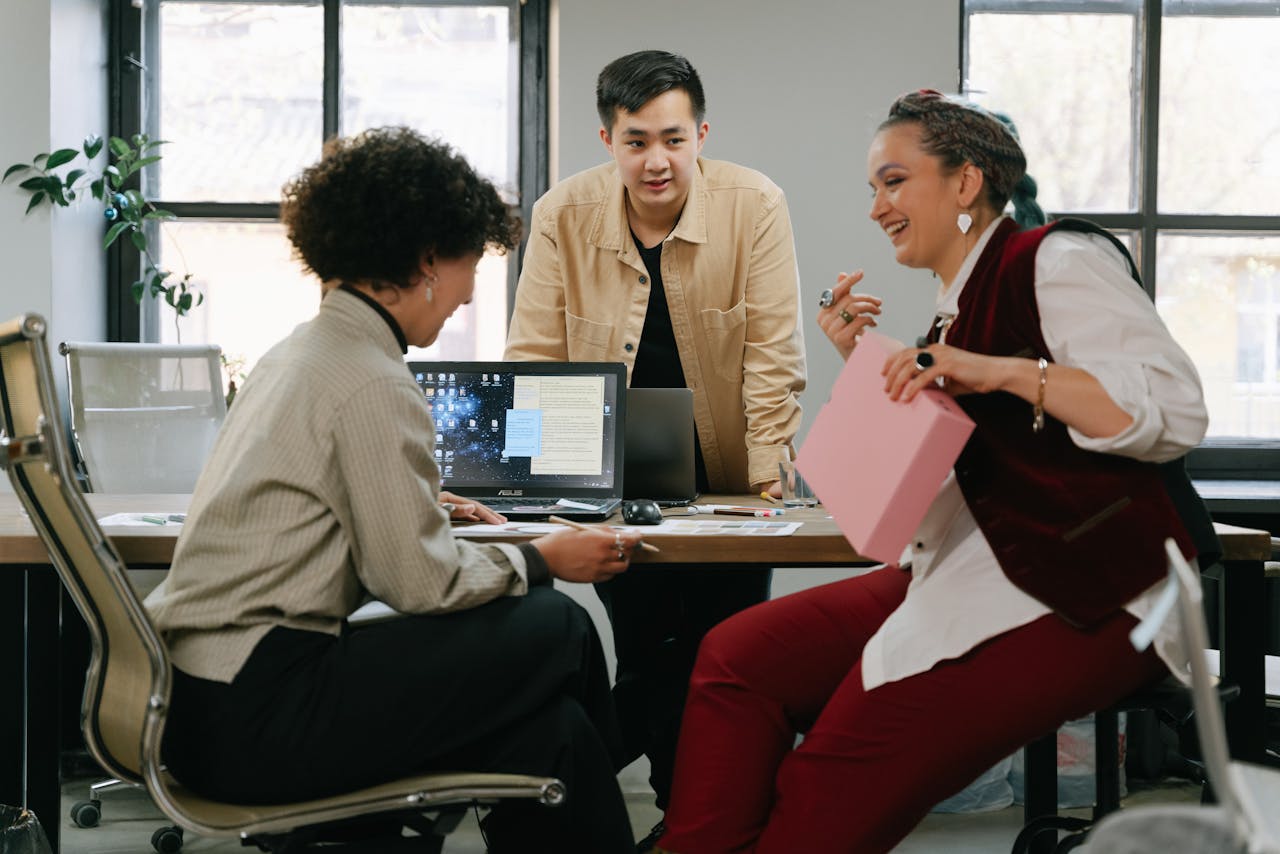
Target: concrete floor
(129,819)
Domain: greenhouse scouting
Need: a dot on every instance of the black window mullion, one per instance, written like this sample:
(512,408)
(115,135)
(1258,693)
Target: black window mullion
(124,118)
(1149,139)
(332,98)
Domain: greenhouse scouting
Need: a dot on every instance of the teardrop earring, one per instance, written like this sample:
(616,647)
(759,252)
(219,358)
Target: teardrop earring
(431,280)
(964,222)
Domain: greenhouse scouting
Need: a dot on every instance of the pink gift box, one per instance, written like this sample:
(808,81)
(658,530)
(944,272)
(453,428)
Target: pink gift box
(875,463)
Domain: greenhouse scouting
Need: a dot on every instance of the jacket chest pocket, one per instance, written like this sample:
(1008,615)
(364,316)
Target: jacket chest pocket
(726,333)
(588,340)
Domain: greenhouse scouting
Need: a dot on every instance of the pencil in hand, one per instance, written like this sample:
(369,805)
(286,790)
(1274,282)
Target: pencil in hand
(560,520)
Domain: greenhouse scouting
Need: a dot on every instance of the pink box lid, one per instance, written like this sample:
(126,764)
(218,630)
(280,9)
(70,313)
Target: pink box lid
(876,464)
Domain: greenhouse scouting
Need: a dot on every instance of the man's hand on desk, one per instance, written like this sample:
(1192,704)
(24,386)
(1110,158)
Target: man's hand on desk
(465,510)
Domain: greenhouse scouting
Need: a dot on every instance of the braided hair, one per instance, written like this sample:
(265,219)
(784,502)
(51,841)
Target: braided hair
(959,132)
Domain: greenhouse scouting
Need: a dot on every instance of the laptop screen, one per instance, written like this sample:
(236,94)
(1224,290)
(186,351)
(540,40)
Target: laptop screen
(546,429)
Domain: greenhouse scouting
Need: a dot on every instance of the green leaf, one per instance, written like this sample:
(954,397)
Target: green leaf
(92,145)
(53,186)
(61,156)
(35,200)
(112,233)
(139,241)
(119,147)
(161,214)
(33,183)
(73,176)
(184,304)
(39,158)
(170,298)
(146,161)
(199,298)
(17,167)
(137,290)
(136,201)
(139,139)
(112,176)
(152,143)
(96,189)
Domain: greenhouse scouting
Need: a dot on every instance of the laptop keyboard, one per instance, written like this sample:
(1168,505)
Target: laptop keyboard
(500,504)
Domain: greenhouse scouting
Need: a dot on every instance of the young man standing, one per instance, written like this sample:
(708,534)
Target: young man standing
(684,269)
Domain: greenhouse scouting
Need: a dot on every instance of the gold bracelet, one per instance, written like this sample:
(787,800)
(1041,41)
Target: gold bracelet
(1037,424)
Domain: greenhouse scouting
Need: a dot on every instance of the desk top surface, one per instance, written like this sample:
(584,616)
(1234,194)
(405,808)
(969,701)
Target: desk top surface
(818,542)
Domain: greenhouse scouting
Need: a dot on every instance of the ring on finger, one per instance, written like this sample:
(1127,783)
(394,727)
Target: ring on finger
(924,360)
(846,316)
(827,297)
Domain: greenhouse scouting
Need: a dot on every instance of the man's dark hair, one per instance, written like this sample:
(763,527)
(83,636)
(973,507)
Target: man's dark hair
(634,80)
(378,202)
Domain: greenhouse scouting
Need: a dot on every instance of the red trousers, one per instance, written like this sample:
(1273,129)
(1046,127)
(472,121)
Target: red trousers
(872,763)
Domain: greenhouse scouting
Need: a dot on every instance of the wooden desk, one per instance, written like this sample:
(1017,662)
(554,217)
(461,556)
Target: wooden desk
(30,603)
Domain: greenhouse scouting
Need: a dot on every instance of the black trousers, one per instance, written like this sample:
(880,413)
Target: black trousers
(659,618)
(518,685)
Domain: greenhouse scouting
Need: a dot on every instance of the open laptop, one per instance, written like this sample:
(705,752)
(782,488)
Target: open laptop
(529,439)
(659,435)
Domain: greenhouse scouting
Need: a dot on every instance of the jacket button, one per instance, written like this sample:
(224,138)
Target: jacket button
(628,347)
(919,545)
(643,280)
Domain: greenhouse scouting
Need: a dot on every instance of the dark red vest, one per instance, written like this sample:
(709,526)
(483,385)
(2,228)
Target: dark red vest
(1080,531)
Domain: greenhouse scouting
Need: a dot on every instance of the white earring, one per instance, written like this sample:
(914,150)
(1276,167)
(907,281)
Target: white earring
(431,294)
(964,222)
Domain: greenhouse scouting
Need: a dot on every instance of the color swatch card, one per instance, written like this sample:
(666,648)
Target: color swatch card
(875,463)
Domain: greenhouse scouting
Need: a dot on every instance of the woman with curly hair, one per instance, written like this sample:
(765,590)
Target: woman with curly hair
(1042,549)
(321,492)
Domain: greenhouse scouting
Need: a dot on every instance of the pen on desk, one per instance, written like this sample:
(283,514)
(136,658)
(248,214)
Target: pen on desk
(154,520)
(745,511)
(767,497)
(560,520)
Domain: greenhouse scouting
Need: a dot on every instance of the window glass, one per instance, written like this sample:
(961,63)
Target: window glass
(256,292)
(462,83)
(1066,80)
(240,89)
(1219,87)
(1220,297)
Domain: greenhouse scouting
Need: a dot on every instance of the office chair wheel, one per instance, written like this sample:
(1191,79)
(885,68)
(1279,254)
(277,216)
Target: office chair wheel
(86,813)
(167,840)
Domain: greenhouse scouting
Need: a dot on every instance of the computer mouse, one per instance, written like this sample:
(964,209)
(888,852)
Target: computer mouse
(641,511)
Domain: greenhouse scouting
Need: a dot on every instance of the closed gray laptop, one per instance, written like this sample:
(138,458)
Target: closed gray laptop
(658,463)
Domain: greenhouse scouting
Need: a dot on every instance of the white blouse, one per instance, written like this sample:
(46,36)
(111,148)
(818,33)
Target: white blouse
(1093,316)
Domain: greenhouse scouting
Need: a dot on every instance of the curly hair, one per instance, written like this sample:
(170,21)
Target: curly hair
(377,203)
(957,132)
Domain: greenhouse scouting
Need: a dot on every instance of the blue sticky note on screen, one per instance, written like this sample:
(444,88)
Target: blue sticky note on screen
(524,433)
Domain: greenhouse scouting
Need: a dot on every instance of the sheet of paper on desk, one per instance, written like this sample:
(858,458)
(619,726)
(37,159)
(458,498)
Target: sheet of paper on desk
(874,463)
(144,520)
(682,527)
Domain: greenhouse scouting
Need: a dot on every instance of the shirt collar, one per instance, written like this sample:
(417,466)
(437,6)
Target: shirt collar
(382,312)
(613,231)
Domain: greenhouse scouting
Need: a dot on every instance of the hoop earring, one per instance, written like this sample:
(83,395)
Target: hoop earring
(964,222)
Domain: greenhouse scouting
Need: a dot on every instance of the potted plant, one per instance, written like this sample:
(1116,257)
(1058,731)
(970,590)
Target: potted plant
(59,180)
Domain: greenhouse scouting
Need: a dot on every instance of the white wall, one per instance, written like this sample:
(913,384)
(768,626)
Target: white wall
(795,90)
(52,93)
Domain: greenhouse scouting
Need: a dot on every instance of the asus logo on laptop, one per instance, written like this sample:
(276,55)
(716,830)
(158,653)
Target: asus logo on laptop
(511,492)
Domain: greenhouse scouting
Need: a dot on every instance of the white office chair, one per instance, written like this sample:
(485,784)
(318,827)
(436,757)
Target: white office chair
(126,697)
(144,416)
(1247,817)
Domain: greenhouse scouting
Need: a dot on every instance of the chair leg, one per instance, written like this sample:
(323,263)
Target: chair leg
(1106,746)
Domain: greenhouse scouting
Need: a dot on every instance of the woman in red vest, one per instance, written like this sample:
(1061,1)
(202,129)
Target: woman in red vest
(1010,613)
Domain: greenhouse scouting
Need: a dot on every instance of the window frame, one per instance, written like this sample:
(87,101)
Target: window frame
(1232,458)
(132,36)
